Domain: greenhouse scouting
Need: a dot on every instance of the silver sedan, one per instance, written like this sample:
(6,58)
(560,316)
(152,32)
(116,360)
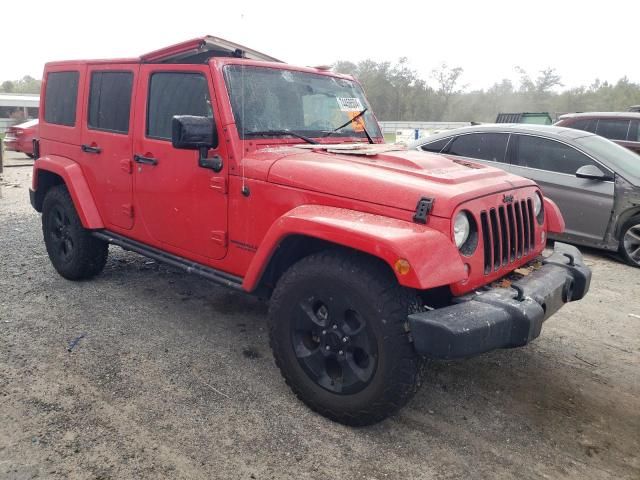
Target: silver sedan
(595,182)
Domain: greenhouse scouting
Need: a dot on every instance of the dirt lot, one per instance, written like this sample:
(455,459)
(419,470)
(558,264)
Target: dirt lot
(173,378)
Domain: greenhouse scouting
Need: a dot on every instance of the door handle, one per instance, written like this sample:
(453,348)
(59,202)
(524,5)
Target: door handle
(145,160)
(90,149)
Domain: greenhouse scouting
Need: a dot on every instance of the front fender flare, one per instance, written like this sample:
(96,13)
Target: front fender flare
(434,259)
(555,220)
(74,179)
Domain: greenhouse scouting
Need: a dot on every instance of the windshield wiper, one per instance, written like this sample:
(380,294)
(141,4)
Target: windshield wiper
(364,129)
(281,132)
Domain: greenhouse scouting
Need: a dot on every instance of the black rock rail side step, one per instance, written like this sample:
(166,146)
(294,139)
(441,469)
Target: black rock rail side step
(189,266)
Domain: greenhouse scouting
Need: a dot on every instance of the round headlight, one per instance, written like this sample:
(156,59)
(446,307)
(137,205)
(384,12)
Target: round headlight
(461,229)
(537,204)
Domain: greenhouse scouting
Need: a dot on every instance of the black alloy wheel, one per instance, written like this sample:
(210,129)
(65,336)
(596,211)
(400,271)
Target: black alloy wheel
(334,343)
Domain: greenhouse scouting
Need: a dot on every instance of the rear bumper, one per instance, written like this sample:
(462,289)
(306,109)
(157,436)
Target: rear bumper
(11,143)
(503,317)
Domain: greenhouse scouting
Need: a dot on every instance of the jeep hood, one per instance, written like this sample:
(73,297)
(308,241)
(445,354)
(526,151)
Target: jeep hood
(394,178)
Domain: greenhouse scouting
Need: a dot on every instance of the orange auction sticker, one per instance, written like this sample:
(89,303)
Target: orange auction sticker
(357,122)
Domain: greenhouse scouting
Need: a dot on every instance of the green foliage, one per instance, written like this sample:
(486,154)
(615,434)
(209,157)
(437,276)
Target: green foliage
(26,84)
(396,92)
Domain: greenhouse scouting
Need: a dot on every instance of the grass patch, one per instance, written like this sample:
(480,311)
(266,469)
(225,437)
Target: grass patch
(390,137)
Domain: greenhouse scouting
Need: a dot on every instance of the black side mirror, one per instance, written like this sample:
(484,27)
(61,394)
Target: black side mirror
(591,172)
(196,133)
(192,133)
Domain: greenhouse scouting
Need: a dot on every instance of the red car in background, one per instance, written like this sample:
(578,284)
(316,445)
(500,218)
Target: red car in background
(19,138)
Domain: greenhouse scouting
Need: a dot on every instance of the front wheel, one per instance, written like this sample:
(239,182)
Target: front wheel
(338,330)
(73,251)
(630,242)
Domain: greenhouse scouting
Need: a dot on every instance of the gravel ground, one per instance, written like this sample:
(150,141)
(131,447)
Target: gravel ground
(171,377)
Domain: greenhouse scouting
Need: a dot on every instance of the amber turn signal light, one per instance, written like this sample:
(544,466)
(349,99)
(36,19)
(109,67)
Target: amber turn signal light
(402,266)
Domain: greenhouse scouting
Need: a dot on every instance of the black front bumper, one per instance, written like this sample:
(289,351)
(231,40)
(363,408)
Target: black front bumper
(502,317)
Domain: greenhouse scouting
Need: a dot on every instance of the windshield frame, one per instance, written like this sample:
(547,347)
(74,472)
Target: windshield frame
(372,126)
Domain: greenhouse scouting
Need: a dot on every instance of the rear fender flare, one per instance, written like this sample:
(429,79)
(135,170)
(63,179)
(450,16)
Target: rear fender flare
(74,179)
(434,259)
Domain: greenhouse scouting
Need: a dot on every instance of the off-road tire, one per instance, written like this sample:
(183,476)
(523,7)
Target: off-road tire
(84,256)
(632,222)
(370,287)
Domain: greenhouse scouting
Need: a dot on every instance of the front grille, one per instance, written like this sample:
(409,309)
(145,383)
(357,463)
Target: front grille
(508,233)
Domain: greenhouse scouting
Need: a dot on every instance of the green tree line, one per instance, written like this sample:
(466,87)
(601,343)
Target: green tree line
(397,92)
(26,84)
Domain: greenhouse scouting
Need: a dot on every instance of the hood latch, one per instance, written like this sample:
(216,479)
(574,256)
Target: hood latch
(423,209)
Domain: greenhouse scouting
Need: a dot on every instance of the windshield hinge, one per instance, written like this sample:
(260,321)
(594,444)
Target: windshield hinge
(423,209)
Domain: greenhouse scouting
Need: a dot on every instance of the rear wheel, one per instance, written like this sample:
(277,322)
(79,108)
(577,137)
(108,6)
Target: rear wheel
(338,330)
(73,251)
(630,242)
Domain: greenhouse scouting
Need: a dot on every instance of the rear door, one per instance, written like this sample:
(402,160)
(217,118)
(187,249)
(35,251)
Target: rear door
(107,141)
(585,204)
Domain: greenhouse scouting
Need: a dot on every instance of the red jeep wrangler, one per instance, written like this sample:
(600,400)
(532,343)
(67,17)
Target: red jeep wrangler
(274,180)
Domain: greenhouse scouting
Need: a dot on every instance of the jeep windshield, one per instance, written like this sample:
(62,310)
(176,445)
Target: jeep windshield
(277,102)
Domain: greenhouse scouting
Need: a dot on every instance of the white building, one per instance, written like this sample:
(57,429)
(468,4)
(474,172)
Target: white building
(17,107)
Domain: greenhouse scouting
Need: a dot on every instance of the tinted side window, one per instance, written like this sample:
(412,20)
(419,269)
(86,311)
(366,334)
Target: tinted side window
(436,146)
(634,131)
(545,154)
(173,93)
(61,95)
(592,125)
(484,146)
(580,124)
(613,129)
(586,124)
(110,101)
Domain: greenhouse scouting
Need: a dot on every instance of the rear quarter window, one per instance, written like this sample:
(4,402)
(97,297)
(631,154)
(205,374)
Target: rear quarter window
(61,95)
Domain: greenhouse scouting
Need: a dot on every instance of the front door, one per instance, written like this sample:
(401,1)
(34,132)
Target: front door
(183,206)
(585,204)
(106,141)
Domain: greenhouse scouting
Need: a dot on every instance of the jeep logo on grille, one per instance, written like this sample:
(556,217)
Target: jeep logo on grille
(507,198)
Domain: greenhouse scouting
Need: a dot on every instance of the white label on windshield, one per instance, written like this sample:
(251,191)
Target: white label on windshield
(349,104)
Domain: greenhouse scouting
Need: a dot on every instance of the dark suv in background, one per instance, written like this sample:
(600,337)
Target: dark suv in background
(620,127)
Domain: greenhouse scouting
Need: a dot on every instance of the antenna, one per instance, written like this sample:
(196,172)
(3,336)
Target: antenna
(240,54)
(245,189)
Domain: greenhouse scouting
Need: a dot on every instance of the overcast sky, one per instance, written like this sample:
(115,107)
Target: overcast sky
(582,40)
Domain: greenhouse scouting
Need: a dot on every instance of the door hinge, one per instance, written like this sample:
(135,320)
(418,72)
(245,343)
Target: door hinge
(126,165)
(127,209)
(219,184)
(219,237)
(423,209)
